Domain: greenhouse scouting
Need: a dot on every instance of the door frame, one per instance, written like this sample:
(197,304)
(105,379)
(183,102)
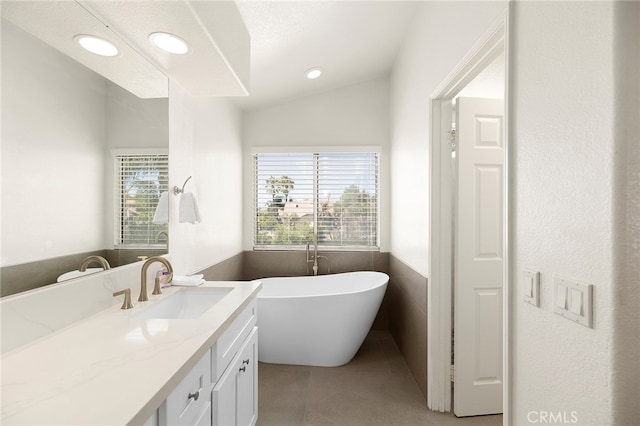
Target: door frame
(439,298)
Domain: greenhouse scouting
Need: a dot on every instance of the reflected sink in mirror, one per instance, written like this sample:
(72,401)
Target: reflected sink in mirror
(184,304)
(77,273)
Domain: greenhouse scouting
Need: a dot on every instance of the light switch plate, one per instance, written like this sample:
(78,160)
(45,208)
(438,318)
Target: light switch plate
(530,281)
(573,300)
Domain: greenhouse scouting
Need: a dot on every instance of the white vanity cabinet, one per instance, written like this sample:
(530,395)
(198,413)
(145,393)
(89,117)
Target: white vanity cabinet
(222,388)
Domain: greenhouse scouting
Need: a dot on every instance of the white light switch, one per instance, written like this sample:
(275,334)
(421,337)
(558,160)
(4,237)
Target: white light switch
(527,286)
(576,301)
(561,296)
(531,287)
(573,300)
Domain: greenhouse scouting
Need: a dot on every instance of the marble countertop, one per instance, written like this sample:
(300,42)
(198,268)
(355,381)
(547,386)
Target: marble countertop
(112,368)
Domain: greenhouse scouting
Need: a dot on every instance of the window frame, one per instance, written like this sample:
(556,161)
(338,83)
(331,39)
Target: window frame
(316,150)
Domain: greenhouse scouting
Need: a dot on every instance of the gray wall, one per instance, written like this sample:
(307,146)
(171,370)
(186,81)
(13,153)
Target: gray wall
(227,270)
(27,276)
(407,307)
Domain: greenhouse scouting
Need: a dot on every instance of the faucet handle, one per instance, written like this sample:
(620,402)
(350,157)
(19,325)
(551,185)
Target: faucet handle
(126,304)
(156,287)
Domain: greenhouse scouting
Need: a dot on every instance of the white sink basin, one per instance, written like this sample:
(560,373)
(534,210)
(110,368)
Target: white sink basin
(185,304)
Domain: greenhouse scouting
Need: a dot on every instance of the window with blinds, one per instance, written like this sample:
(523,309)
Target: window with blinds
(333,194)
(140,179)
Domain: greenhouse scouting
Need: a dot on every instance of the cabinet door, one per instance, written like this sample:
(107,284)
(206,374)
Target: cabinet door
(235,396)
(247,383)
(224,398)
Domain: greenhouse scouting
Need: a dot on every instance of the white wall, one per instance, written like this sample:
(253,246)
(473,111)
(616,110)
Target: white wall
(488,84)
(204,142)
(439,37)
(626,297)
(567,207)
(356,115)
(133,122)
(52,152)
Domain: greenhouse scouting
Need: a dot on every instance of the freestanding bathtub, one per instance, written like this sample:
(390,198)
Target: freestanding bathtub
(320,321)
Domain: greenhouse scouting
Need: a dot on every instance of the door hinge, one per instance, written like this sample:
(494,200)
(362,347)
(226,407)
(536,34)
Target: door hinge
(452,139)
(452,373)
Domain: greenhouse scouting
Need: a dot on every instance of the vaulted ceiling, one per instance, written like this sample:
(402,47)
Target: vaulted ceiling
(352,41)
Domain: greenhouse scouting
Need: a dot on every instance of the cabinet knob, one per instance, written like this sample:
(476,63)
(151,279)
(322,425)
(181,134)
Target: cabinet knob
(243,369)
(246,361)
(194,395)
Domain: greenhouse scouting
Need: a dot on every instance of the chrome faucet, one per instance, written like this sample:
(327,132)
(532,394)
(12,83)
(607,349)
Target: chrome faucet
(90,259)
(144,296)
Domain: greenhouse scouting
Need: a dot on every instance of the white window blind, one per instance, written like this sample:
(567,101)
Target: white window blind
(140,179)
(333,194)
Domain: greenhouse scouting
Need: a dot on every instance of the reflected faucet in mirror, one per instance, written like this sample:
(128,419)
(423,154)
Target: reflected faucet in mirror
(144,296)
(160,234)
(94,259)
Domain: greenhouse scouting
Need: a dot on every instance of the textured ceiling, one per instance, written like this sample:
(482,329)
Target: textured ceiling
(353,41)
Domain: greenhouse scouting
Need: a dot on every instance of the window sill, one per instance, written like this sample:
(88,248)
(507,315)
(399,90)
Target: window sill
(320,248)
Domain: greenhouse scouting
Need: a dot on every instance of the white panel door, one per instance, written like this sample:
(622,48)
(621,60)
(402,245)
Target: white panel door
(478,258)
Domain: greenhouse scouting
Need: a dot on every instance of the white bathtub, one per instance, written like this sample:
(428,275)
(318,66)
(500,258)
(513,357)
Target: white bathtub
(319,321)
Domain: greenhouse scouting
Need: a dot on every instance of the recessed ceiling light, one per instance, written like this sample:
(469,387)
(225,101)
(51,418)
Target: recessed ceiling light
(96,45)
(169,43)
(313,73)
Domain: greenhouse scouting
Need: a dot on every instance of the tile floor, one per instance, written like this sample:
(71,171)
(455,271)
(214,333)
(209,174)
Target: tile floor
(375,388)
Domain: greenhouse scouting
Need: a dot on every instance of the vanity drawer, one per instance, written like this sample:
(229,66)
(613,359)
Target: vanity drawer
(191,398)
(228,344)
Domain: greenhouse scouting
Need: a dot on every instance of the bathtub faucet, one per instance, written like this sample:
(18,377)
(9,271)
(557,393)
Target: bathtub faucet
(315,259)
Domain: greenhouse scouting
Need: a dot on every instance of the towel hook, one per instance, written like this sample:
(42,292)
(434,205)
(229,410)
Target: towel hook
(177,190)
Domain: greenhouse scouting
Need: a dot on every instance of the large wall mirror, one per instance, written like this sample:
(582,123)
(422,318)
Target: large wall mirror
(84,162)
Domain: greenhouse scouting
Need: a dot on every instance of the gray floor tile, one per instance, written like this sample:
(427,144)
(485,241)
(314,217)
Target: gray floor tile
(282,395)
(375,388)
